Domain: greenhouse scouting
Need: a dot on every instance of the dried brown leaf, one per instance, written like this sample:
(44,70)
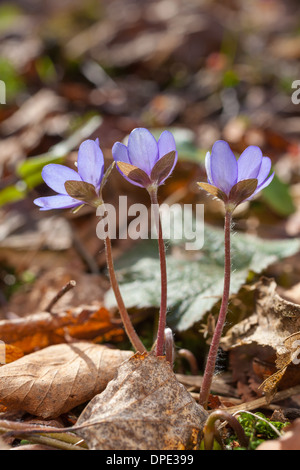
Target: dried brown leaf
(284,359)
(268,333)
(43,329)
(143,408)
(271,309)
(50,382)
(9,353)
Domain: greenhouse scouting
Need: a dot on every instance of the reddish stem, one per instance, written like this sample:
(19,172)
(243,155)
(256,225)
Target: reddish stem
(213,350)
(210,430)
(131,333)
(163,269)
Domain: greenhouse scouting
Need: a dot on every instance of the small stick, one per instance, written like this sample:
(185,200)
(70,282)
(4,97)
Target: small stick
(70,285)
(261,402)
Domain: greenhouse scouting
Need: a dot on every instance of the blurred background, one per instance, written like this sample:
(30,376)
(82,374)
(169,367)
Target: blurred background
(204,69)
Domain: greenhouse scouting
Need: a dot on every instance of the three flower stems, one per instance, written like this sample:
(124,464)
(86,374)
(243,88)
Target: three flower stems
(213,350)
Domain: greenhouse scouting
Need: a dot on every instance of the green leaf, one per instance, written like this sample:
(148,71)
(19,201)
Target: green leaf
(195,284)
(278,197)
(12,194)
(34,165)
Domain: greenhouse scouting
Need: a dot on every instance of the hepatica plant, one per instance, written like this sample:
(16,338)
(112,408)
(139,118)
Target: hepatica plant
(147,163)
(233,182)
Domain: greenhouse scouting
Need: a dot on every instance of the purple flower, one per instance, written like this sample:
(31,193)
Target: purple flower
(144,161)
(87,180)
(235,181)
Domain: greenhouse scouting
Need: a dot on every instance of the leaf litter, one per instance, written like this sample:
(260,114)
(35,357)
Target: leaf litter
(58,378)
(182,88)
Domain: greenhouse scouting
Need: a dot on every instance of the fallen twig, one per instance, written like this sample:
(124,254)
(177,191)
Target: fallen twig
(70,285)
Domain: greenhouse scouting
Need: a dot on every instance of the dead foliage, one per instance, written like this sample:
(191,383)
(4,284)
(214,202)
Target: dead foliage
(54,380)
(143,408)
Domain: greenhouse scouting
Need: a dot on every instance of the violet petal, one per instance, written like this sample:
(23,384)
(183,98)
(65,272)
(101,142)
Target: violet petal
(56,175)
(224,169)
(166,144)
(90,162)
(265,183)
(264,170)
(142,149)
(120,153)
(208,168)
(249,163)
(59,201)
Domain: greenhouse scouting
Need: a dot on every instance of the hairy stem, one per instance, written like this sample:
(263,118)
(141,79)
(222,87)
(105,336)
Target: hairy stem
(213,350)
(131,333)
(163,270)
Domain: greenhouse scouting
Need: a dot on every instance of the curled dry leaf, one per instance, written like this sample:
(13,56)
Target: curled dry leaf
(54,380)
(9,353)
(143,408)
(43,329)
(266,339)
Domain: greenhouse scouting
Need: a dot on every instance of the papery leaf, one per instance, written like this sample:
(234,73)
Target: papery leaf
(242,191)
(213,190)
(134,173)
(284,316)
(284,359)
(81,190)
(163,167)
(54,380)
(143,408)
(38,330)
